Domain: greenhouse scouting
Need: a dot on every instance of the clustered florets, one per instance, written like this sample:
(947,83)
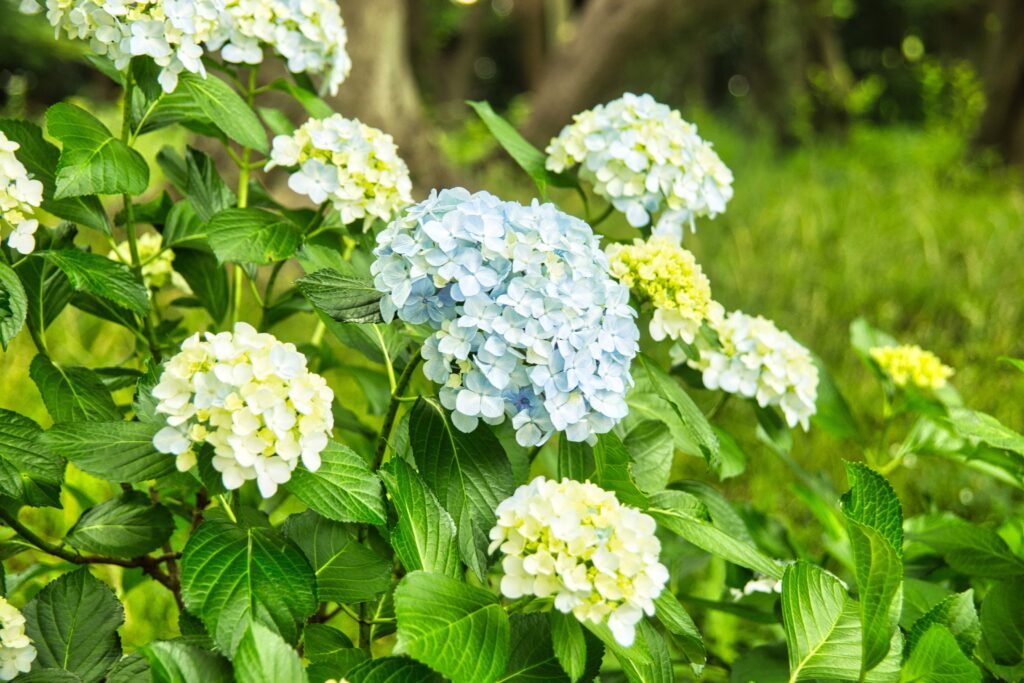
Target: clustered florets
(309,34)
(527,322)
(252,399)
(353,165)
(576,542)
(157,262)
(910,364)
(757,360)
(666,275)
(20,195)
(647,161)
(16,650)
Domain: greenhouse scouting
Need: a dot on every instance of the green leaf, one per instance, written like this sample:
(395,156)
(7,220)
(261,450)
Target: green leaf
(343,298)
(72,394)
(40,159)
(392,670)
(613,470)
(234,575)
(48,675)
(458,630)
(532,658)
(343,489)
(425,535)
(118,451)
(206,278)
(28,469)
(93,161)
(330,653)
(973,550)
(226,109)
(732,459)
(650,445)
(955,612)
(823,631)
(675,618)
(183,661)
(529,158)
(972,424)
(263,656)
(101,277)
(73,624)
(647,660)
(575,460)
(469,473)
(874,519)
(13,305)
(131,669)
(937,659)
(252,236)
(763,664)
(1002,621)
(569,644)
(314,106)
(184,228)
(126,526)
(832,412)
(720,510)
(346,570)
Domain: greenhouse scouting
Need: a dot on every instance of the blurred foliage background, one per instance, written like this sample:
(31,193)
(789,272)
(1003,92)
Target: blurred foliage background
(875,145)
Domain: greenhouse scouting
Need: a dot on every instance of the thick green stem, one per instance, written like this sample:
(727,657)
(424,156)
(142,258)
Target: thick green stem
(389,416)
(243,201)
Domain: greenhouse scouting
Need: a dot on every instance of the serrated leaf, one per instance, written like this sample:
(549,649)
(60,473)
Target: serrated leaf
(973,550)
(957,614)
(73,624)
(118,451)
(392,670)
(46,287)
(131,669)
(252,236)
(1002,621)
(679,623)
(973,424)
(647,660)
(651,448)
(424,536)
(184,228)
(202,184)
(343,298)
(184,661)
(720,510)
(532,658)
(314,106)
(330,653)
(343,489)
(937,659)
(206,278)
(871,501)
(126,526)
(346,570)
(40,159)
(458,630)
(13,305)
(226,109)
(575,460)
(28,469)
(48,675)
(263,656)
(92,161)
(72,394)
(233,575)
(569,644)
(613,470)
(101,277)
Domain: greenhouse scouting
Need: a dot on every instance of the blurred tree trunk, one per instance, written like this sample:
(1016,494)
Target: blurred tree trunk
(382,90)
(1002,125)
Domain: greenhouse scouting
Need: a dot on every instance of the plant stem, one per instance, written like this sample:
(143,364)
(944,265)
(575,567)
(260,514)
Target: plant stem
(243,201)
(602,216)
(388,365)
(396,400)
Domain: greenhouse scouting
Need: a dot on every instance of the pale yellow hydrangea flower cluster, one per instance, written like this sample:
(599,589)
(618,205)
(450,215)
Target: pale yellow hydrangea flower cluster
(576,542)
(20,195)
(669,277)
(252,398)
(353,165)
(16,650)
(910,364)
(157,263)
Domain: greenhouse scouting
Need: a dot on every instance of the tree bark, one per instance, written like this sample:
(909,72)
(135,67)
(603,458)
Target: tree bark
(1002,125)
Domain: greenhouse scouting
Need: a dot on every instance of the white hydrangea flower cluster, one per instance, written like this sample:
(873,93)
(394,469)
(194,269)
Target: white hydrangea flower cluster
(309,34)
(20,195)
(528,323)
(157,262)
(355,166)
(252,398)
(758,360)
(762,584)
(647,161)
(16,650)
(576,542)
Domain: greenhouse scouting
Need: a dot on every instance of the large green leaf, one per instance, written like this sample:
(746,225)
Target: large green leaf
(13,305)
(73,624)
(955,612)
(92,161)
(206,278)
(330,653)
(131,669)
(125,526)
(72,394)
(469,473)
(569,644)
(392,670)
(343,489)
(1002,621)
(235,574)
(650,445)
(225,108)
(424,536)
(28,469)
(937,659)
(532,657)
(101,277)
(647,660)
(252,236)
(263,656)
(973,550)
(40,159)
(343,298)
(972,424)
(118,451)
(184,661)
(675,618)
(458,630)
(346,570)
(46,287)
(874,520)
(575,460)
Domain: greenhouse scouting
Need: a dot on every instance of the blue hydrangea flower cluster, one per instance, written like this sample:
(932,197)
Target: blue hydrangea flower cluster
(528,324)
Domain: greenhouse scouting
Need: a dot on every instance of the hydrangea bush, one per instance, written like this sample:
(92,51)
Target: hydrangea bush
(362,437)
